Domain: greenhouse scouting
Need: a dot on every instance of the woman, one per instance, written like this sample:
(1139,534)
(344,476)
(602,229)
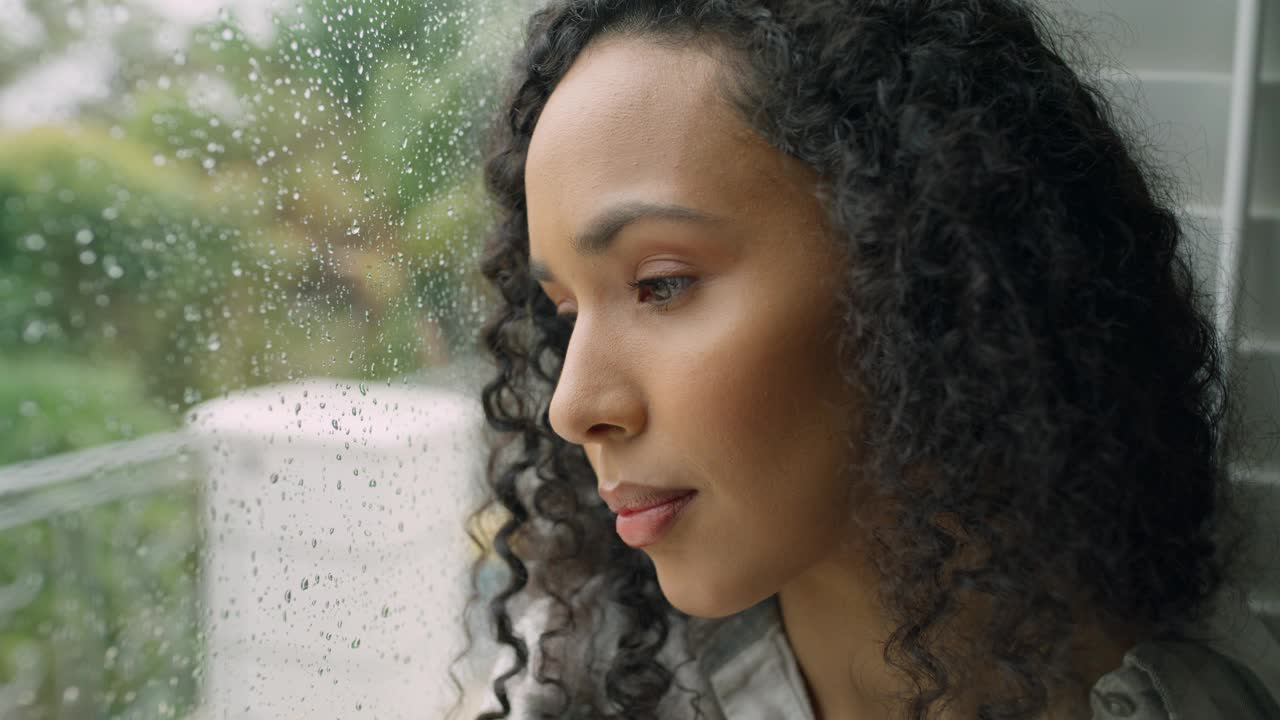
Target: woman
(849,366)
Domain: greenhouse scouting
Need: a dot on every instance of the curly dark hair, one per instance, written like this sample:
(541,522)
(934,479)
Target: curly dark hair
(1039,374)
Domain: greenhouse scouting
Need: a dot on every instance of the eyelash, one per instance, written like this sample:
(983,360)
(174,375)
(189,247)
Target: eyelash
(681,283)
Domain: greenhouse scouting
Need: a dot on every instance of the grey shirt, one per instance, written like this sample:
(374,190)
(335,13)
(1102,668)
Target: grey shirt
(744,669)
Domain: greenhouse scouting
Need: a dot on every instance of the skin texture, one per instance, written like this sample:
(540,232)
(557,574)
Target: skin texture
(732,389)
(727,381)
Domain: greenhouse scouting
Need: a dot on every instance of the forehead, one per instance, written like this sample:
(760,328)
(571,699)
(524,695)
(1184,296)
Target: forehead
(634,120)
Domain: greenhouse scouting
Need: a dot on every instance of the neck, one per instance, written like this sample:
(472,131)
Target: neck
(838,629)
(837,632)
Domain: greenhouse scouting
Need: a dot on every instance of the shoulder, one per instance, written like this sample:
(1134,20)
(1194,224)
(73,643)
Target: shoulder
(1162,681)
(1167,680)
(1230,670)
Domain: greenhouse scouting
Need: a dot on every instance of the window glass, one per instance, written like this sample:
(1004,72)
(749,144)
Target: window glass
(238,311)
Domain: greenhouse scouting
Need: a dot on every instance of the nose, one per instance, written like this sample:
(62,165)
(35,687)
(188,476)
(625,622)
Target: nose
(597,395)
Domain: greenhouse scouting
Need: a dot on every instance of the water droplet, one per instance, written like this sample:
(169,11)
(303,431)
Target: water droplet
(34,331)
(275,478)
(355,643)
(306,583)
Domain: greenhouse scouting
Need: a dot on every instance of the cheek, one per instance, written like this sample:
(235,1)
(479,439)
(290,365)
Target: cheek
(751,391)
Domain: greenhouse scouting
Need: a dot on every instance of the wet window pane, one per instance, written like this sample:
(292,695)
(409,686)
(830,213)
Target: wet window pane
(238,309)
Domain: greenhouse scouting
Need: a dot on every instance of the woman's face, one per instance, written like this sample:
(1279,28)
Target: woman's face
(722,377)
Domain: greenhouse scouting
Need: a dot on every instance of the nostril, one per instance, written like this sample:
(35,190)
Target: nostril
(602,429)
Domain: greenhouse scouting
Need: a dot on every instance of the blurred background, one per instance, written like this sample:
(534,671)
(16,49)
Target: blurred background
(239,425)
(238,306)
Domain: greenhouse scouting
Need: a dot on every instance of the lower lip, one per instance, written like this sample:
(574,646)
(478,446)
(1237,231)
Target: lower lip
(648,526)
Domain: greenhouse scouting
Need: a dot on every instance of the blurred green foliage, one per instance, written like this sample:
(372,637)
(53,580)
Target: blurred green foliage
(108,626)
(234,212)
(61,407)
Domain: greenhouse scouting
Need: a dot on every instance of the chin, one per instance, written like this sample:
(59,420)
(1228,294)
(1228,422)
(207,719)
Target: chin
(703,595)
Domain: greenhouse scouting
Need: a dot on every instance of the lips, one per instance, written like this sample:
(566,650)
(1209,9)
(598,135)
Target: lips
(625,499)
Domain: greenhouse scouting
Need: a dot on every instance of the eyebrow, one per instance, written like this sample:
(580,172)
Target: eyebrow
(604,228)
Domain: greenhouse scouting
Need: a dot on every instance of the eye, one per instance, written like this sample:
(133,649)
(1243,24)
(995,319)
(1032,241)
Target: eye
(660,291)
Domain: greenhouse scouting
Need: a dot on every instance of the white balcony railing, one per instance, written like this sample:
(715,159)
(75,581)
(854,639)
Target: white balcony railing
(331,556)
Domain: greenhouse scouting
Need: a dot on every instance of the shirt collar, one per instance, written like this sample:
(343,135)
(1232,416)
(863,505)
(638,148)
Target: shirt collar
(749,665)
